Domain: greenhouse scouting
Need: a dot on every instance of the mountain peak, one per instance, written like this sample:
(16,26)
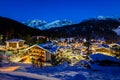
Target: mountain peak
(101,17)
(35,23)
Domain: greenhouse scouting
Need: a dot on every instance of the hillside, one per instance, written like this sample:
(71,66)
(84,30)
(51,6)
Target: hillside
(14,29)
(93,28)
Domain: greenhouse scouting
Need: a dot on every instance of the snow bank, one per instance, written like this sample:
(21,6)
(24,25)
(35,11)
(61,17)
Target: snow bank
(102,57)
(31,75)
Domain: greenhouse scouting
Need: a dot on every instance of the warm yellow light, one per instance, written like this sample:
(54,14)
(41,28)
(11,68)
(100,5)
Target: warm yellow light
(10,69)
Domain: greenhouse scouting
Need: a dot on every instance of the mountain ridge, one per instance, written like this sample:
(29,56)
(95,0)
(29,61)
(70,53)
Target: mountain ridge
(93,28)
(12,28)
(42,25)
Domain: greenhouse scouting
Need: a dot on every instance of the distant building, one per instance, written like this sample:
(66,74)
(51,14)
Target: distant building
(103,48)
(15,44)
(62,44)
(113,44)
(1,38)
(39,37)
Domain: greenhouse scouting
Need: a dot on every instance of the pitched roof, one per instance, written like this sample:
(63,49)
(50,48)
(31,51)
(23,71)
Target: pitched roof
(118,43)
(49,47)
(103,46)
(14,40)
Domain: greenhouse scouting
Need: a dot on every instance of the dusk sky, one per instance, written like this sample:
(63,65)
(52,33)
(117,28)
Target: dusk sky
(50,10)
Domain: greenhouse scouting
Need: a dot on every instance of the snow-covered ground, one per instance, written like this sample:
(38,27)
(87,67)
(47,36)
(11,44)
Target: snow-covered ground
(62,72)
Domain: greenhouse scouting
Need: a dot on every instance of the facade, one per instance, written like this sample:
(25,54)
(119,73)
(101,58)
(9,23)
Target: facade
(113,44)
(62,44)
(15,44)
(41,51)
(36,51)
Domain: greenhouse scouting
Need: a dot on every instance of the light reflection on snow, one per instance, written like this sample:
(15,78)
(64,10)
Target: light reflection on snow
(63,72)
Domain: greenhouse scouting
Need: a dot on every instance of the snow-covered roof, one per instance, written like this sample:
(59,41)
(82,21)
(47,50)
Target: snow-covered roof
(103,46)
(14,40)
(49,47)
(118,43)
(102,57)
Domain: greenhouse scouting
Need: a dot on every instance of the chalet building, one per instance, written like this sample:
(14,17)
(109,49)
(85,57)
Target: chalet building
(113,44)
(39,37)
(43,51)
(103,48)
(15,44)
(62,44)
(76,45)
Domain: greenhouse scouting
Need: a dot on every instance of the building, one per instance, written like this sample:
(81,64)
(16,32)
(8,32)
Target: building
(113,44)
(15,44)
(62,44)
(103,48)
(43,51)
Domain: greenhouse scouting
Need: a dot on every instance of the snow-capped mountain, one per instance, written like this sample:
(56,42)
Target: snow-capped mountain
(35,23)
(101,17)
(58,23)
(105,17)
(42,25)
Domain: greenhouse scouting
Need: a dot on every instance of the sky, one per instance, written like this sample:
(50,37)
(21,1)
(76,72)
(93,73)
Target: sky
(50,10)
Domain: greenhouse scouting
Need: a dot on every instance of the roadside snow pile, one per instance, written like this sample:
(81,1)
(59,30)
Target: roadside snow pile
(102,57)
(104,62)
